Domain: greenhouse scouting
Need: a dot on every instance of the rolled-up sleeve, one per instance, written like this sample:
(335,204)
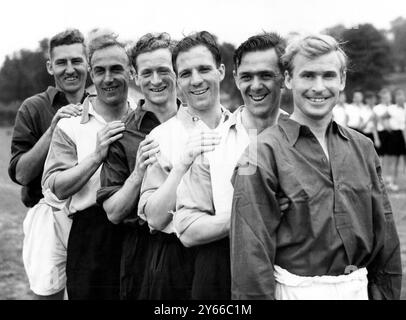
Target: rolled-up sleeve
(254,220)
(61,156)
(385,271)
(194,196)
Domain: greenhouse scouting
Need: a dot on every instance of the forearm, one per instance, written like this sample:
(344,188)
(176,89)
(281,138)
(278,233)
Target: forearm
(70,181)
(125,200)
(206,229)
(163,200)
(30,164)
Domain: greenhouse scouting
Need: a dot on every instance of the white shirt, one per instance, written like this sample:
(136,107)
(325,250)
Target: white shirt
(354,117)
(397,117)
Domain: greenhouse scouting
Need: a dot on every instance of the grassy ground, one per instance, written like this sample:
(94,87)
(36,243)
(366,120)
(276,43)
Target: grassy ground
(13,282)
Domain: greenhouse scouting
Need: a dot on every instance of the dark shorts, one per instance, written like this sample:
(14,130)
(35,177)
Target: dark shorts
(212,278)
(93,256)
(383,137)
(395,143)
(155,266)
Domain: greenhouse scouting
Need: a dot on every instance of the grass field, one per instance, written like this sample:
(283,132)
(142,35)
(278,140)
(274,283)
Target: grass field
(13,282)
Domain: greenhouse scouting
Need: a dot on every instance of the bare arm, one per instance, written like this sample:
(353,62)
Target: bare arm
(162,201)
(69,180)
(31,163)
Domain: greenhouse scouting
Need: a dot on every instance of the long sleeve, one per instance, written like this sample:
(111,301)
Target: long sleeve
(385,271)
(254,220)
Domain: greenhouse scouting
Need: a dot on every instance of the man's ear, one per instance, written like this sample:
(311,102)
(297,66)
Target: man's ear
(236,79)
(222,71)
(288,81)
(49,67)
(343,80)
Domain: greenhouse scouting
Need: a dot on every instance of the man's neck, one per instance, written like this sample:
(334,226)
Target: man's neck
(250,122)
(317,126)
(110,112)
(75,97)
(163,112)
(210,117)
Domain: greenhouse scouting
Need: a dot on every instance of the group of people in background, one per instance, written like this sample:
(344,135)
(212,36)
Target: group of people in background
(382,121)
(175,197)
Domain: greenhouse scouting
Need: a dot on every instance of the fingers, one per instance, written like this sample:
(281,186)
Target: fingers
(284,203)
(111,132)
(70,110)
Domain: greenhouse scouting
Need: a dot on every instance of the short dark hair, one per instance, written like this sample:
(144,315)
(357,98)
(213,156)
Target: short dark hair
(151,42)
(67,37)
(202,38)
(99,39)
(261,42)
(369,94)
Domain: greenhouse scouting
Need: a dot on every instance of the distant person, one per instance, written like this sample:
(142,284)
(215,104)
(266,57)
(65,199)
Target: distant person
(396,148)
(385,134)
(44,249)
(340,110)
(353,110)
(369,119)
(337,239)
(78,148)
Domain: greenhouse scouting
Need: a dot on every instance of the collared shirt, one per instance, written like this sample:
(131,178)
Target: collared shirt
(33,119)
(397,117)
(339,213)
(354,115)
(172,137)
(122,155)
(382,112)
(367,118)
(73,140)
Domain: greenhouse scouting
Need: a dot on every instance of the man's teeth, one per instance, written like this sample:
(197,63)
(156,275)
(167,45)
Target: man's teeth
(71,78)
(109,89)
(199,92)
(158,89)
(258,98)
(317,99)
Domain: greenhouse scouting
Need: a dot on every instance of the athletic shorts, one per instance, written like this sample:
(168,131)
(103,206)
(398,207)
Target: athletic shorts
(46,232)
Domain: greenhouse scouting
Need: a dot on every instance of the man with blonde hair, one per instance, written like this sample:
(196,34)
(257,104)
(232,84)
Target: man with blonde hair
(337,239)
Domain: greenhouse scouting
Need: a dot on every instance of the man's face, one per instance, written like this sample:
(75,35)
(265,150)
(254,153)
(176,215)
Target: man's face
(316,84)
(400,97)
(357,98)
(259,80)
(370,101)
(155,76)
(386,97)
(68,65)
(111,74)
(199,78)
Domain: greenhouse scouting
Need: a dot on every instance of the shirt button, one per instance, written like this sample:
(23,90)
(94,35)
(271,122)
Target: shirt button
(195,119)
(324,159)
(338,186)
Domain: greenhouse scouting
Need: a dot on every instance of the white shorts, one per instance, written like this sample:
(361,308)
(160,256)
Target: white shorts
(46,231)
(353,286)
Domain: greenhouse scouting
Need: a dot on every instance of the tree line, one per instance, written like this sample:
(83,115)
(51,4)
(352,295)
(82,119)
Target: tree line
(372,54)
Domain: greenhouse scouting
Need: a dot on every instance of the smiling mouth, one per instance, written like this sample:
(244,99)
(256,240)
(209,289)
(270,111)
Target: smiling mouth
(318,100)
(70,79)
(258,98)
(199,92)
(110,89)
(158,89)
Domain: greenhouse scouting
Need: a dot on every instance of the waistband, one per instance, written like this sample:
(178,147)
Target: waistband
(283,276)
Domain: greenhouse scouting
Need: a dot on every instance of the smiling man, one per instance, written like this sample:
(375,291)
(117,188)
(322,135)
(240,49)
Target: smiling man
(72,171)
(204,196)
(36,120)
(337,240)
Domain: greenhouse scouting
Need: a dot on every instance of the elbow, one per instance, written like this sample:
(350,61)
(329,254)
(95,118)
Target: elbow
(61,195)
(22,178)
(113,218)
(157,223)
(187,241)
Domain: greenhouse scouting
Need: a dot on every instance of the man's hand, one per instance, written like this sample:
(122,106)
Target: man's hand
(71,110)
(284,203)
(146,155)
(197,144)
(110,133)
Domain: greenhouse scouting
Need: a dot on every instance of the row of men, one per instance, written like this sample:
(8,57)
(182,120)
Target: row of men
(383,123)
(171,200)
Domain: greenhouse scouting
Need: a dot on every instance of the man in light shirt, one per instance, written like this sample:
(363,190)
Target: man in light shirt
(204,196)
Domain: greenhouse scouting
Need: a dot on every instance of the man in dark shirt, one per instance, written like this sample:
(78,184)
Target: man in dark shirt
(37,118)
(38,115)
(146,262)
(338,239)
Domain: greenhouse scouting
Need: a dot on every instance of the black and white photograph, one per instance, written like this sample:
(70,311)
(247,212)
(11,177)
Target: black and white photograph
(207,151)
